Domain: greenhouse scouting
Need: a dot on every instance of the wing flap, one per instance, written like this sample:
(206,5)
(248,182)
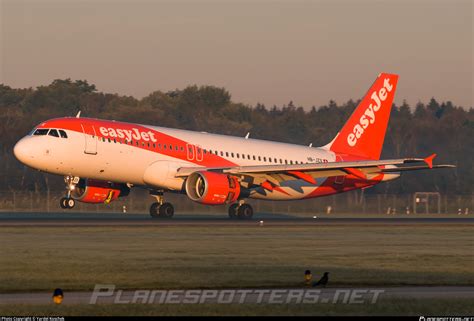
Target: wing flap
(414,168)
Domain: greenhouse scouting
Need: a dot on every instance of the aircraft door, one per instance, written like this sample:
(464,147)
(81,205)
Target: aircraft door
(199,153)
(190,151)
(90,137)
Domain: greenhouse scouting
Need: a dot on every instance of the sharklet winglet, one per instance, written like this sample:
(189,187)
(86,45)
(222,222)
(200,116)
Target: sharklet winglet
(429,160)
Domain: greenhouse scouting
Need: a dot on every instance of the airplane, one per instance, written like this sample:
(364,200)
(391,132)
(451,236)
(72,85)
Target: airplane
(101,160)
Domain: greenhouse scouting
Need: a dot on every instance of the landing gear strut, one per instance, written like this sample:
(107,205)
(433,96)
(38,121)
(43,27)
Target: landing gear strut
(68,202)
(241,211)
(161,209)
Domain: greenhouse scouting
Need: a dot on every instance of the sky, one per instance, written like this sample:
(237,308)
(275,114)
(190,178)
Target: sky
(271,52)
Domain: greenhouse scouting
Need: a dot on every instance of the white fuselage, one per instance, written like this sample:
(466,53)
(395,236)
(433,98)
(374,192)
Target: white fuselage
(113,159)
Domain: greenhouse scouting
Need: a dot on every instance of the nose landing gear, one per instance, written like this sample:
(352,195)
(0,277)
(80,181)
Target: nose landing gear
(68,202)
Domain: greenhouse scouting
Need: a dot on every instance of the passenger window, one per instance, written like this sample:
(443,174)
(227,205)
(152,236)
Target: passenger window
(264,159)
(259,158)
(254,157)
(62,133)
(53,132)
(41,132)
(227,154)
(275,160)
(269,159)
(237,155)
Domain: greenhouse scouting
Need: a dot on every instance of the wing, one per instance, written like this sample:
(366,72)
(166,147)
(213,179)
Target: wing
(310,172)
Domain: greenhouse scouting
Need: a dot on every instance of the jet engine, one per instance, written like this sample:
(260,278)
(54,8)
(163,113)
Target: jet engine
(93,191)
(212,188)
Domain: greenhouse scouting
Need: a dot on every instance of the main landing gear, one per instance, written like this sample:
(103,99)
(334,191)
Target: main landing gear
(160,209)
(241,211)
(68,202)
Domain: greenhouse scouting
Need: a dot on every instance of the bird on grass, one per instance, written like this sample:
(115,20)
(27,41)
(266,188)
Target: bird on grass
(323,281)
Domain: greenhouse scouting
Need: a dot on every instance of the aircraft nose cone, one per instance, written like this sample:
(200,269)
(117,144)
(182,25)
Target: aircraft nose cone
(21,151)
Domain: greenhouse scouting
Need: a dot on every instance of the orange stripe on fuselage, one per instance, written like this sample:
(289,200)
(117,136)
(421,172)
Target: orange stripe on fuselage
(139,134)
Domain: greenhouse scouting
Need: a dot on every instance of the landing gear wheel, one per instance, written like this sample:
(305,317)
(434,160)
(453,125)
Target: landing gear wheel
(245,212)
(233,210)
(63,203)
(154,208)
(67,203)
(70,203)
(166,210)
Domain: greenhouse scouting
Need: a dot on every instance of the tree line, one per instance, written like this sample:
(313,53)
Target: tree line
(414,131)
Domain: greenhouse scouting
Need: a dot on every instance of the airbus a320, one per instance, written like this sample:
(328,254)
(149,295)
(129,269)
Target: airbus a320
(101,160)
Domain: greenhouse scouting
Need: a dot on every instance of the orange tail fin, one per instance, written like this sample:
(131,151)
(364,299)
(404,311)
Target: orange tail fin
(364,132)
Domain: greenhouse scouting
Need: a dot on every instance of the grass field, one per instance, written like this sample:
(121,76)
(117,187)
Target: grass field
(77,258)
(383,307)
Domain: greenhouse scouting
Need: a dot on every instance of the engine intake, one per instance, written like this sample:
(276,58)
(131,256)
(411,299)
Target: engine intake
(92,191)
(212,188)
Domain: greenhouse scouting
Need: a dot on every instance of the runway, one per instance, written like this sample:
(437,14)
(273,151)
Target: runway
(326,295)
(73,219)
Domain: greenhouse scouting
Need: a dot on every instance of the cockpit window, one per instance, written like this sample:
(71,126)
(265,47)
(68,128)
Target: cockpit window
(41,131)
(53,132)
(62,133)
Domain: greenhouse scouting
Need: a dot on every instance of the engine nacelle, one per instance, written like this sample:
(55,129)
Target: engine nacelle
(212,188)
(92,191)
